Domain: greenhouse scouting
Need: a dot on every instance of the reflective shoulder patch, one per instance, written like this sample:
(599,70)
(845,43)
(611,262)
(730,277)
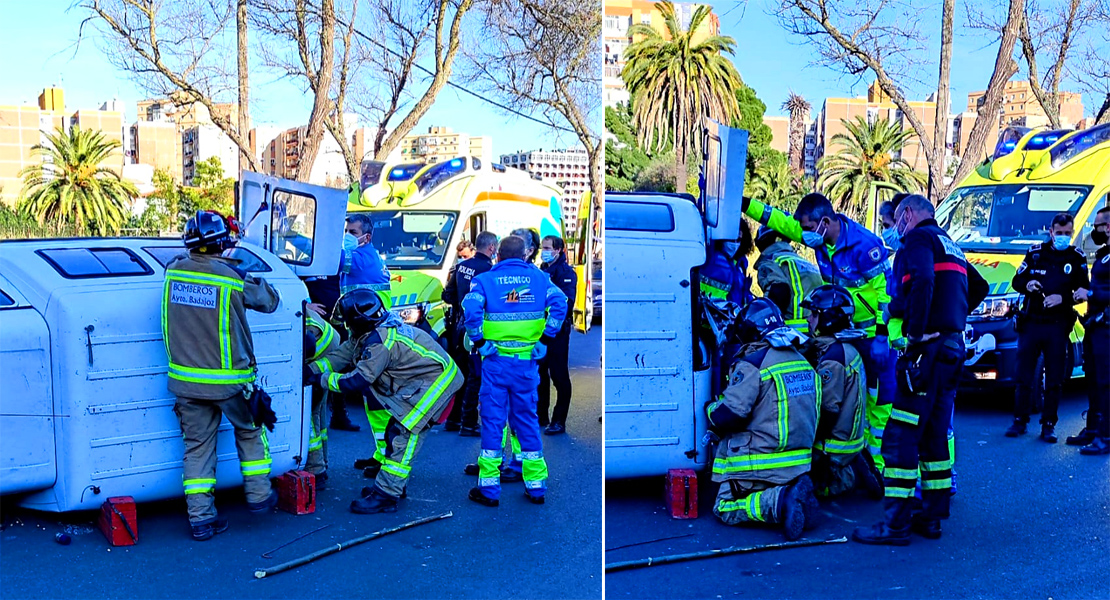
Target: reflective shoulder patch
(875,254)
(799,383)
(193,294)
(951,248)
(1067,268)
(1023,267)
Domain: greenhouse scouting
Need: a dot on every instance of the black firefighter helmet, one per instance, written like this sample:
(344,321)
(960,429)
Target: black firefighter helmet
(207,230)
(758,318)
(833,306)
(362,311)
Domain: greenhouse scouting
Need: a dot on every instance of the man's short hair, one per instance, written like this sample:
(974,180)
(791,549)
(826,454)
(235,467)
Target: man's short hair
(814,207)
(556,242)
(917,203)
(511,247)
(887,209)
(896,200)
(1063,220)
(1103,210)
(486,239)
(364,221)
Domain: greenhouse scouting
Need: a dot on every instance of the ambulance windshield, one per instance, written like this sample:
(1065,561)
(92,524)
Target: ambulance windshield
(1006,218)
(412,239)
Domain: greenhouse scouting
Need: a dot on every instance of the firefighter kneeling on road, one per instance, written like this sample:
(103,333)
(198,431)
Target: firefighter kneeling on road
(766,420)
(409,373)
(841,460)
(212,367)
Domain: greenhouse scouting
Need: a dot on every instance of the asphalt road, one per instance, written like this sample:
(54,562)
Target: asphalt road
(518,550)
(1029,520)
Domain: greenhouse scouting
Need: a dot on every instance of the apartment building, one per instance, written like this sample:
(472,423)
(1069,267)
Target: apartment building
(569,169)
(442,143)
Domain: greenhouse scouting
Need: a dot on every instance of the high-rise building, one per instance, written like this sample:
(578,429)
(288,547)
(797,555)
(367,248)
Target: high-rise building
(622,14)
(876,106)
(569,169)
(162,123)
(442,143)
(1020,106)
(157,144)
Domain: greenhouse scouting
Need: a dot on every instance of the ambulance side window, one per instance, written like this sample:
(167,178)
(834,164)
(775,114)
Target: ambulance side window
(293,227)
(84,263)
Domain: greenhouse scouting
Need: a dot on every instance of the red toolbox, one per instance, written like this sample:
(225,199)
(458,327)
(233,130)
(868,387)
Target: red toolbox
(297,492)
(119,521)
(682,493)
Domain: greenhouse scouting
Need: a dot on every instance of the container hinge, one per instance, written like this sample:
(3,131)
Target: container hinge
(88,341)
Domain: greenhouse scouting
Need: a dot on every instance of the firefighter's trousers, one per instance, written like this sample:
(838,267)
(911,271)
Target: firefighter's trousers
(318,437)
(748,502)
(200,420)
(880,396)
(916,442)
(397,466)
(378,418)
(509,395)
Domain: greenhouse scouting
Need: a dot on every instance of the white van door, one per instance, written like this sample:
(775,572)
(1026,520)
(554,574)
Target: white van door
(300,223)
(722,185)
(26,397)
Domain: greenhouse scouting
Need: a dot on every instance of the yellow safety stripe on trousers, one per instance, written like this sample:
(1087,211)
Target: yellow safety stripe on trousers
(436,390)
(894,473)
(942,465)
(750,505)
(782,401)
(898,492)
(404,468)
(904,416)
(199,486)
(855,366)
(259,467)
(936,484)
(840,446)
(761,462)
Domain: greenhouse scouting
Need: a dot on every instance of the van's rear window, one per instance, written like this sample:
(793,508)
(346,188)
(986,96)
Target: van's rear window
(82,263)
(248,261)
(638,216)
(5,300)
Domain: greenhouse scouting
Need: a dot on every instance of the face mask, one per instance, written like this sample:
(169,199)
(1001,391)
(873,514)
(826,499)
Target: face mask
(903,225)
(350,242)
(548,256)
(1100,237)
(1061,242)
(731,249)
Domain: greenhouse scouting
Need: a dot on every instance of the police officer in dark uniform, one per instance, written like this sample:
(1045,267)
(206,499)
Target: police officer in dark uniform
(464,415)
(934,288)
(1049,278)
(554,367)
(1096,343)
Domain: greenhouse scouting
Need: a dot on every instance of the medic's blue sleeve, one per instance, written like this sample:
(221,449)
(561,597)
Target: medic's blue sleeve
(474,308)
(556,305)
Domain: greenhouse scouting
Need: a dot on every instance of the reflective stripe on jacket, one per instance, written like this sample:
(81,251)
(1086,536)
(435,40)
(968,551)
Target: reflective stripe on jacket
(410,374)
(843,400)
(513,305)
(323,335)
(774,392)
(204,325)
(779,263)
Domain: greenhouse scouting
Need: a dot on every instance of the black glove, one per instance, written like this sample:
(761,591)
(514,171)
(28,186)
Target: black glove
(260,405)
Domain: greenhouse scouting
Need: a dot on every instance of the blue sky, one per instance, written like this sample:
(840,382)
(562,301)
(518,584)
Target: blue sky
(773,63)
(36,46)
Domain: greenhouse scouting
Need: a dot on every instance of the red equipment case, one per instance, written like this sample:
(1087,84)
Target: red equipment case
(682,493)
(297,492)
(119,521)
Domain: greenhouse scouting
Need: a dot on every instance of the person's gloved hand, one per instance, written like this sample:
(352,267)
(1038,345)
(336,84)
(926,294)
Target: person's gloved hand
(539,351)
(880,352)
(898,343)
(314,380)
(484,348)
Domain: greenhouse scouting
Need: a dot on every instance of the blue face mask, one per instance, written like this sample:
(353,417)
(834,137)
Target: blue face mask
(350,242)
(548,256)
(731,249)
(1061,242)
(813,239)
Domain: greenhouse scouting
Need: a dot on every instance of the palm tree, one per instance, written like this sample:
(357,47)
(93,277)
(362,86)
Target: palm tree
(798,109)
(677,80)
(71,185)
(776,184)
(867,154)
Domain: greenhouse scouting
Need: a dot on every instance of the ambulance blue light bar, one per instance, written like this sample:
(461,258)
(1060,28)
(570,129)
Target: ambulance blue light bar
(1008,140)
(1046,139)
(1079,143)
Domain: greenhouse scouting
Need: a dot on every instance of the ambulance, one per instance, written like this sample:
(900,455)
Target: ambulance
(1004,207)
(659,358)
(422,212)
(85,413)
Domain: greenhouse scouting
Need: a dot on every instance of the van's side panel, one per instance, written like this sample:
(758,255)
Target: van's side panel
(650,403)
(26,401)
